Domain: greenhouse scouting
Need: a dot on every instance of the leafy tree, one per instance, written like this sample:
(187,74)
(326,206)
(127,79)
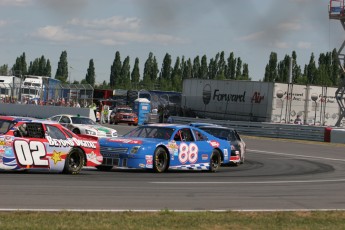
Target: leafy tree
(125,81)
(238,68)
(196,67)
(221,66)
(4,70)
(165,78)
(154,70)
(150,71)
(20,67)
(271,73)
(176,76)
(135,75)
(48,69)
(296,69)
(115,70)
(203,71)
(187,69)
(231,67)
(245,72)
(90,75)
(62,69)
(324,70)
(335,68)
(312,71)
(283,70)
(40,67)
(212,69)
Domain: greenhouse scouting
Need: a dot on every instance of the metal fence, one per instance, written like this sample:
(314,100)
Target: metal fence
(263,129)
(73,95)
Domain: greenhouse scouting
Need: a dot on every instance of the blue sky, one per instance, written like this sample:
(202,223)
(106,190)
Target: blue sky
(90,29)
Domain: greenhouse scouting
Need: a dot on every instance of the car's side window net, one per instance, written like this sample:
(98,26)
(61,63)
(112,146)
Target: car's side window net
(199,136)
(31,130)
(184,135)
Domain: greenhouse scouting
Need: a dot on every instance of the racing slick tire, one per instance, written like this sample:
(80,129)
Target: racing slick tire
(242,158)
(160,160)
(74,162)
(104,168)
(215,161)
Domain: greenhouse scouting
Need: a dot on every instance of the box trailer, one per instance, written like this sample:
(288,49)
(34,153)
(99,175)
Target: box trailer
(260,101)
(10,87)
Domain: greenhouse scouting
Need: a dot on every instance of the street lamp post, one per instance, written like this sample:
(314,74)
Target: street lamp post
(280,95)
(314,98)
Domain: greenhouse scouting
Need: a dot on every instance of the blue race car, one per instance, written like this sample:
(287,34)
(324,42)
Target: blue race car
(165,146)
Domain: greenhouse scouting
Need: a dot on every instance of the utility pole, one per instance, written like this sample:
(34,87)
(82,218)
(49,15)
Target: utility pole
(337,12)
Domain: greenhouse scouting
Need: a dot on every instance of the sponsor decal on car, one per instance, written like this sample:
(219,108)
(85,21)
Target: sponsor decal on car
(149,159)
(56,157)
(188,153)
(31,153)
(71,142)
(173,148)
(125,141)
(214,144)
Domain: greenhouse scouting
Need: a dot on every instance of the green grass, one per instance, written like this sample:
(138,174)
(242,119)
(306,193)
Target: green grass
(173,220)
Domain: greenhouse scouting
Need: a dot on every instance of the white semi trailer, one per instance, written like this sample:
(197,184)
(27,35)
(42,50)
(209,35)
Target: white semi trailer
(260,101)
(10,87)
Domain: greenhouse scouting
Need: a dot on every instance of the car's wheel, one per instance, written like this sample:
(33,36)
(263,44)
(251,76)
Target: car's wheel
(215,161)
(104,167)
(242,158)
(129,124)
(160,160)
(136,124)
(74,162)
(76,131)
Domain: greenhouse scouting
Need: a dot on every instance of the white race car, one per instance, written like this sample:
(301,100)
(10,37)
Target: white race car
(83,125)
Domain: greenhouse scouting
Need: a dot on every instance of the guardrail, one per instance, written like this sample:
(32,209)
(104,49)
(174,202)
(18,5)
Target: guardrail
(263,129)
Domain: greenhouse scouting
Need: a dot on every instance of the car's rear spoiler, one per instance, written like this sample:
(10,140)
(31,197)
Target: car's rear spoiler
(90,137)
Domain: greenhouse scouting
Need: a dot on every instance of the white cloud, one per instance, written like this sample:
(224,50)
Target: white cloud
(15,2)
(110,42)
(290,26)
(281,45)
(3,23)
(108,37)
(304,45)
(56,33)
(114,22)
(105,37)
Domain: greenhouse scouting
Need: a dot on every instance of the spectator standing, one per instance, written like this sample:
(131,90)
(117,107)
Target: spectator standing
(101,109)
(298,120)
(105,113)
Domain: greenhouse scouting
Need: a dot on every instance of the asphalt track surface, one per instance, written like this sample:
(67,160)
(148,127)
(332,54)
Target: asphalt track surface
(277,175)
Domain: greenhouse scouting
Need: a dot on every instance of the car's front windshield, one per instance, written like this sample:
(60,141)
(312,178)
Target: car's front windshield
(224,134)
(124,110)
(151,132)
(5,125)
(83,121)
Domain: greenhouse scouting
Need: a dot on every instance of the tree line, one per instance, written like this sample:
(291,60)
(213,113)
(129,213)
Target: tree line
(170,75)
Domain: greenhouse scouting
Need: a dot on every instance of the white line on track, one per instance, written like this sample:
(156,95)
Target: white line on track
(266,182)
(248,182)
(163,210)
(295,155)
